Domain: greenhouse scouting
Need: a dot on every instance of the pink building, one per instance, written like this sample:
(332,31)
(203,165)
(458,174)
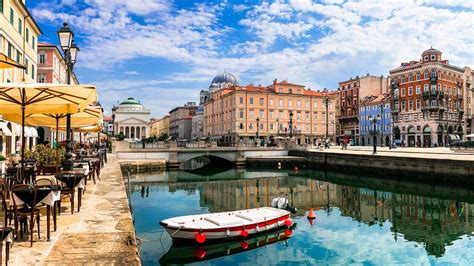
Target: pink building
(51,65)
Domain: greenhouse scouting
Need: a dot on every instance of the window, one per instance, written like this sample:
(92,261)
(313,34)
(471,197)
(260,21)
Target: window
(418,89)
(307,104)
(1,6)
(307,116)
(18,57)
(27,34)
(403,79)
(298,104)
(290,91)
(250,125)
(433,87)
(42,60)
(271,114)
(26,64)
(418,104)
(241,99)
(315,104)
(402,106)
(241,113)
(271,126)
(10,50)
(426,58)
(12,15)
(426,88)
(271,101)
(261,114)
(20,26)
(289,103)
(33,42)
(32,71)
(241,126)
(418,76)
(41,78)
(433,57)
(281,102)
(410,105)
(251,100)
(280,90)
(298,116)
(403,92)
(261,101)
(410,77)
(251,113)
(410,91)
(425,76)
(280,114)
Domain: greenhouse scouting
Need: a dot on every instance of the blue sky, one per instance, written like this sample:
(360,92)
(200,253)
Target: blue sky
(164,52)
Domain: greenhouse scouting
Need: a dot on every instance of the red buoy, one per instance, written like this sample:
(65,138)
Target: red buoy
(288,233)
(244,233)
(201,238)
(244,245)
(200,253)
(288,222)
(311,216)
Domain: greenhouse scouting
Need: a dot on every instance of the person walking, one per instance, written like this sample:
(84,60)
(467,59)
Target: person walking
(344,143)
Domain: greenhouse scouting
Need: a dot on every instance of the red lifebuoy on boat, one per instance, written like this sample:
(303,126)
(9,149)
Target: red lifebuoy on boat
(200,252)
(201,238)
(288,233)
(244,233)
(244,245)
(288,222)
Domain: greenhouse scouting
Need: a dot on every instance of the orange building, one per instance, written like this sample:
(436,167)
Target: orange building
(51,65)
(283,109)
(428,101)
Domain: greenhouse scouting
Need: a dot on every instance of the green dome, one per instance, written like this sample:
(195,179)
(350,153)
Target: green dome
(130,101)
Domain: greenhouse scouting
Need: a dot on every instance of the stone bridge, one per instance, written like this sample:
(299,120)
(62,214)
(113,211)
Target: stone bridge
(177,155)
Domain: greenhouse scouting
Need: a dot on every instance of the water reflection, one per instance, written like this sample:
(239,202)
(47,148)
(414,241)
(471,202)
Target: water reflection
(432,221)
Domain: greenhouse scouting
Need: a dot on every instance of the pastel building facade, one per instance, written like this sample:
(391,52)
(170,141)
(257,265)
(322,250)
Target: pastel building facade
(18,40)
(374,106)
(247,113)
(181,121)
(351,93)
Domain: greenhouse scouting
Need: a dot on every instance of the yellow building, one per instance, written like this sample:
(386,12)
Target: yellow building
(241,113)
(160,126)
(18,40)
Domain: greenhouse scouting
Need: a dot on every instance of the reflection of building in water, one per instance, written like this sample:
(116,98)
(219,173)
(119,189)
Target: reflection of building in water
(252,193)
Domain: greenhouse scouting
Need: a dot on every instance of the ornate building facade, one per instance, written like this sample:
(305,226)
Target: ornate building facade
(374,106)
(428,101)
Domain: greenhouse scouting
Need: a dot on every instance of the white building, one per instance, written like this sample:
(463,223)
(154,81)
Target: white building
(131,118)
(197,131)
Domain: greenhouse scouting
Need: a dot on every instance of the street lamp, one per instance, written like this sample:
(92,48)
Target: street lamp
(374,120)
(382,126)
(326,100)
(290,125)
(278,127)
(70,50)
(258,125)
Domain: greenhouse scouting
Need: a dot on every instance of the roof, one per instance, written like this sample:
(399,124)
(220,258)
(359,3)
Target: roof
(30,16)
(375,99)
(107,118)
(130,100)
(224,77)
(284,82)
(431,50)
(45,44)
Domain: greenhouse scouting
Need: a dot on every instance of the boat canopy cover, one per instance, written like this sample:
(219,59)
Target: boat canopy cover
(280,203)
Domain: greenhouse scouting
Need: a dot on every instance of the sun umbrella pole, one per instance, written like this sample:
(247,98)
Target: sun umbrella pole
(22,139)
(68,163)
(57,144)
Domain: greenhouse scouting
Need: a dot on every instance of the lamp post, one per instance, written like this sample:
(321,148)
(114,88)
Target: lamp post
(290,125)
(326,101)
(374,120)
(382,126)
(70,50)
(278,127)
(256,135)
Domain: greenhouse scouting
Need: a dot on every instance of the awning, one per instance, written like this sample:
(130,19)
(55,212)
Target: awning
(454,137)
(29,131)
(470,136)
(4,128)
(6,62)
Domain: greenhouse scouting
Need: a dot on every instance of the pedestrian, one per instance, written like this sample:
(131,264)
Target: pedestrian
(326,143)
(344,144)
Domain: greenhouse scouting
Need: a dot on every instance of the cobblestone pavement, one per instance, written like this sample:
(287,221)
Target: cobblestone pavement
(101,233)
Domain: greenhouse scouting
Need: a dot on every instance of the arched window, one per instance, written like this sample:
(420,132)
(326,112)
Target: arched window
(426,74)
(418,76)
(433,73)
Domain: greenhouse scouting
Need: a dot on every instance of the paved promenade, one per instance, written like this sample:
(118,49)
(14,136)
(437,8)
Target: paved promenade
(426,153)
(101,233)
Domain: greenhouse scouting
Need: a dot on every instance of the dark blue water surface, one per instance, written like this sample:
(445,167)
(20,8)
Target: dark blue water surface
(359,219)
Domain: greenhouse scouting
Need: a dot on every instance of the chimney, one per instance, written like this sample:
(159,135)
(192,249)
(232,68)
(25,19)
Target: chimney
(274,83)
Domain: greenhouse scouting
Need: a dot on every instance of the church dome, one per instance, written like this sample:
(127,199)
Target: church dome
(225,78)
(431,51)
(130,101)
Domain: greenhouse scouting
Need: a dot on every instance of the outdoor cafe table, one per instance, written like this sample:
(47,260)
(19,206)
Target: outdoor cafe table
(73,180)
(47,194)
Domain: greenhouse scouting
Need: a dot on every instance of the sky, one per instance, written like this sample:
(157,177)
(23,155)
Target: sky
(163,52)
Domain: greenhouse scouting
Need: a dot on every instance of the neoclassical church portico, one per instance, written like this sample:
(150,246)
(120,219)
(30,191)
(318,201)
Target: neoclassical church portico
(131,118)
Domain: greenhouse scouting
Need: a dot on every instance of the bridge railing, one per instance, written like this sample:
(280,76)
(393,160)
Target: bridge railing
(152,145)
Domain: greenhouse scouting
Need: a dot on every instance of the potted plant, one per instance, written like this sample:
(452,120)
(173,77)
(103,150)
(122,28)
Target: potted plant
(46,158)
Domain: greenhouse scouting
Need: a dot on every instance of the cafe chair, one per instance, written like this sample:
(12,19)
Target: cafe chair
(6,235)
(7,208)
(68,189)
(27,212)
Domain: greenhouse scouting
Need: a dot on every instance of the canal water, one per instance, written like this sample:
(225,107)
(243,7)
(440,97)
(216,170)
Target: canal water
(359,219)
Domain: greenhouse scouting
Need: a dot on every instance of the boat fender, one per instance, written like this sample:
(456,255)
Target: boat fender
(201,237)
(244,233)
(227,232)
(288,222)
(257,228)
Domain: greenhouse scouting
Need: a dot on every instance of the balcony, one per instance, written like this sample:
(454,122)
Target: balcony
(433,108)
(395,97)
(433,79)
(460,97)
(433,94)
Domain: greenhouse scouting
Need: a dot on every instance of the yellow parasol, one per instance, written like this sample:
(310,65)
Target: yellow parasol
(41,98)
(6,62)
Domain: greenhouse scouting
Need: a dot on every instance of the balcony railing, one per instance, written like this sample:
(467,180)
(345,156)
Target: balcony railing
(433,107)
(433,79)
